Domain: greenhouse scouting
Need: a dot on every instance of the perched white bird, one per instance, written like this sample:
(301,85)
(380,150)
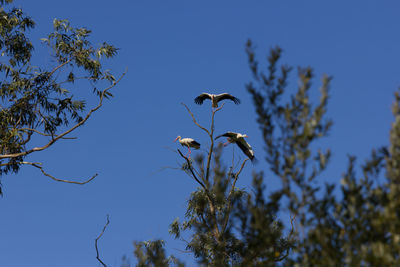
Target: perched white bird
(238,138)
(188,142)
(215,98)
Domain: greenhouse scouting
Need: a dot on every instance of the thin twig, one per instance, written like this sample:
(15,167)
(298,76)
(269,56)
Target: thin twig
(289,237)
(212,208)
(292,218)
(44,134)
(59,66)
(60,136)
(211,135)
(28,138)
(230,196)
(95,241)
(194,120)
(237,176)
(191,170)
(233,163)
(164,168)
(204,221)
(37,165)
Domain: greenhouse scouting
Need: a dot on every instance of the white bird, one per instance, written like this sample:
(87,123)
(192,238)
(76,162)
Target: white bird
(188,142)
(238,138)
(215,98)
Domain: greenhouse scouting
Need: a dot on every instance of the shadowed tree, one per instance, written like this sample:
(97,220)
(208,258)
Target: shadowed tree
(40,105)
(290,125)
(359,225)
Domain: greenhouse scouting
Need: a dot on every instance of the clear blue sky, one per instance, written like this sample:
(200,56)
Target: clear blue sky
(175,50)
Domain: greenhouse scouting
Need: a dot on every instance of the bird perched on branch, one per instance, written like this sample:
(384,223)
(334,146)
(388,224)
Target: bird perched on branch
(238,138)
(188,142)
(215,98)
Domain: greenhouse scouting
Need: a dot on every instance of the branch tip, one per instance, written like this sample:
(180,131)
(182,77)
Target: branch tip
(97,239)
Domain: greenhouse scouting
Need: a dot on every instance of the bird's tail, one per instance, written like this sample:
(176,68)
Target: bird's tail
(195,145)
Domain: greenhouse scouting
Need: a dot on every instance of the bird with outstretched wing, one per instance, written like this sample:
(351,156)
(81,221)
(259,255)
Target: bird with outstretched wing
(239,140)
(215,98)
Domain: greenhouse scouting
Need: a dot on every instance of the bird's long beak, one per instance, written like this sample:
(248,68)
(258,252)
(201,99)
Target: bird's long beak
(176,139)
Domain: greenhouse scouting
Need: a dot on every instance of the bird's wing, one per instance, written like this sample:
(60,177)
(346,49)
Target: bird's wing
(199,100)
(195,144)
(228,96)
(245,147)
(227,134)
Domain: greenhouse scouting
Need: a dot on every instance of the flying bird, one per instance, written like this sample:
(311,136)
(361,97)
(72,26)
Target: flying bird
(238,138)
(188,142)
(215,98)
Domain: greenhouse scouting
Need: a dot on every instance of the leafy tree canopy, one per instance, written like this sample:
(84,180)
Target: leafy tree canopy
(41,100)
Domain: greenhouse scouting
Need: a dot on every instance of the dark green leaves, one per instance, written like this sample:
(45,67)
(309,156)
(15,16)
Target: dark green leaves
(14,45)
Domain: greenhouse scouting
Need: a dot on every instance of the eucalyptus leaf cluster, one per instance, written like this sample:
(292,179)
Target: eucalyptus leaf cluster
(42,100)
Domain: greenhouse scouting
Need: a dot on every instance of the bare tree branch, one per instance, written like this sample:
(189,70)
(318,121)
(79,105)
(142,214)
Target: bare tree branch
(60,136)
(211,135)
(37,165)
(236,177)
(62,180)
(292,219)
(97,239)
(233,163)
(38,132)
(59,66)
(194,120)
(229,200)
(28,138)
(210,199)
(191,170)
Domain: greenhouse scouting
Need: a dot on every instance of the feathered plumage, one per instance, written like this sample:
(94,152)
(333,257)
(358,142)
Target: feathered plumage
(188,142)
(215,98)
(238,139)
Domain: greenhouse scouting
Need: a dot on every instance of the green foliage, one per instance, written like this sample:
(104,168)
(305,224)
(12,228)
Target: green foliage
(356,224)
(41,100)
(225,225)
(228,226)
(360,228)
(14,45)
(152,253)
(290,126)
